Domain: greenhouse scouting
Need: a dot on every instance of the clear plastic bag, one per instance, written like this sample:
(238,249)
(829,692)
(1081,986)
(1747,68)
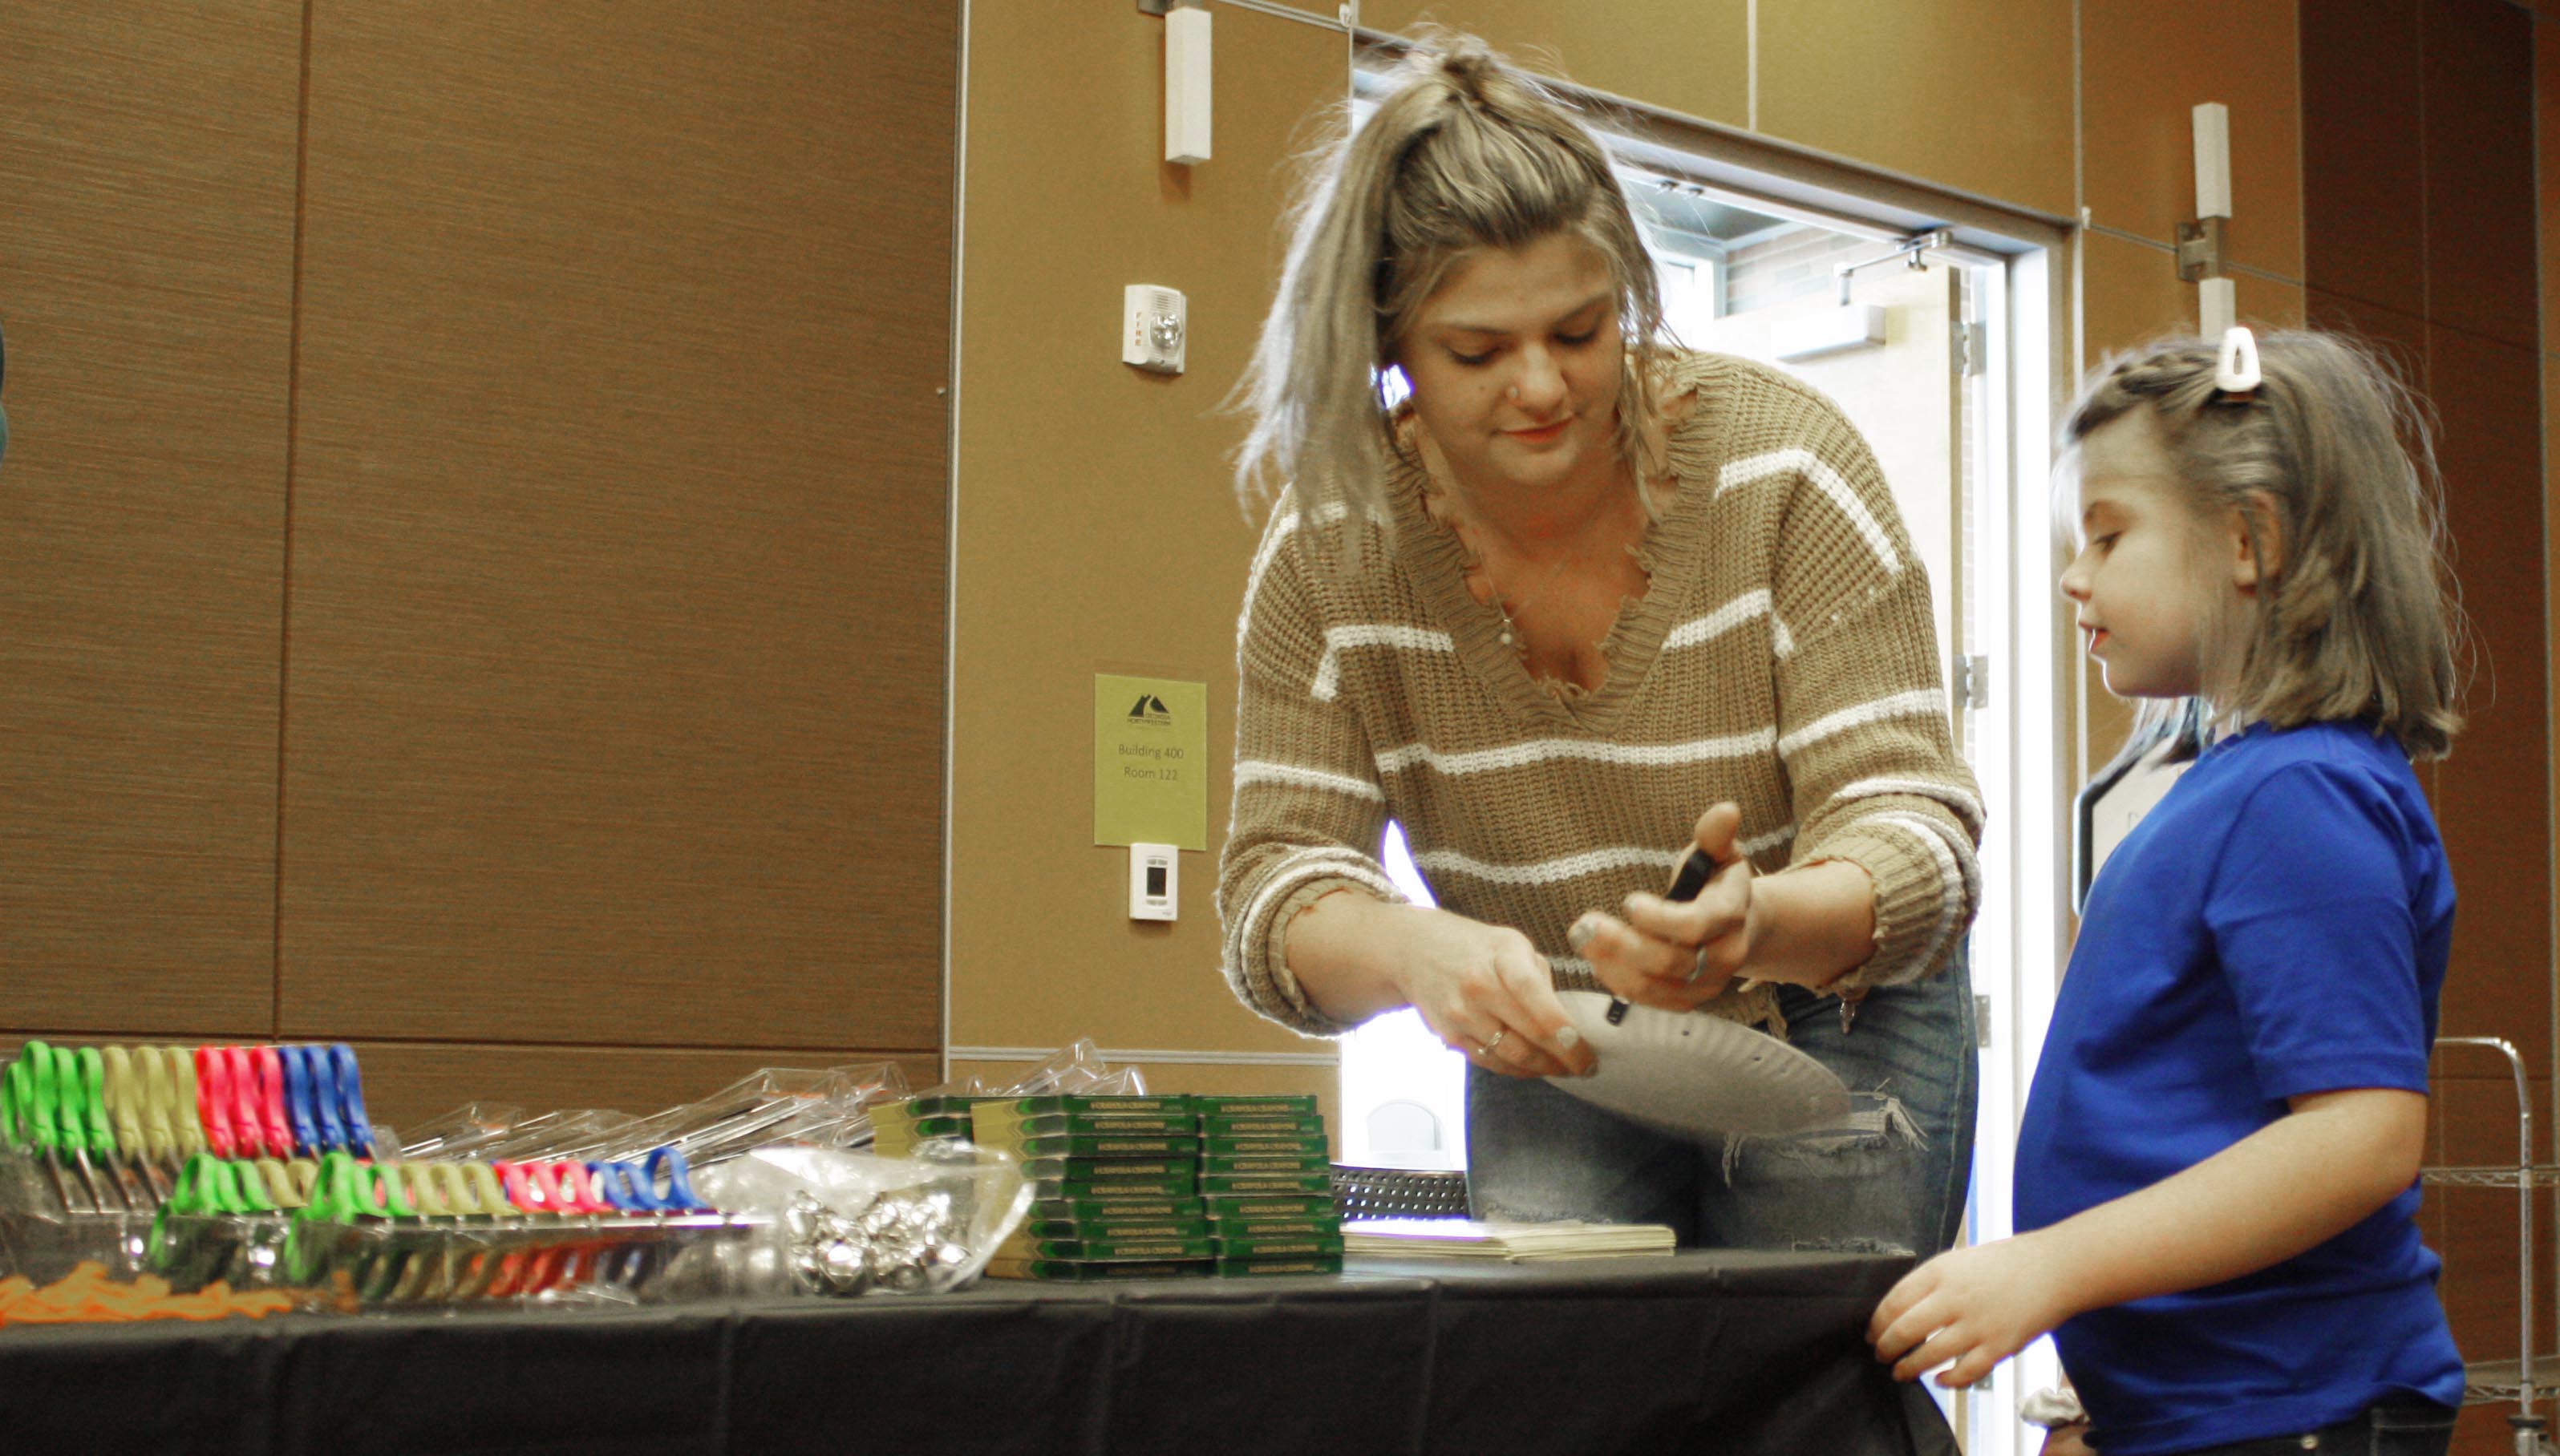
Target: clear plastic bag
(814,1107)
(1077,1067)
(852,1224)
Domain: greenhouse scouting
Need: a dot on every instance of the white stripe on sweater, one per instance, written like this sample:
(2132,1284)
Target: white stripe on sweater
(1550,871)
(1829,481)
(1967,807)
(1263,770)
(1279,534)
(1544,750)
(1956,885)
(1900,705)
(1754,848)
(1700,630)
(1298,866)
(1371,635)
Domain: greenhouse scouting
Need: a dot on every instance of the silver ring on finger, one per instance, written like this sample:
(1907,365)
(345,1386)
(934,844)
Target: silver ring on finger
(1696,967)
(1494,1041)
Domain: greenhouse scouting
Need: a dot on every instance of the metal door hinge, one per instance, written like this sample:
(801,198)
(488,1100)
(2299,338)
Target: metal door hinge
(1982,1022)
(1971,343)
(1972,686)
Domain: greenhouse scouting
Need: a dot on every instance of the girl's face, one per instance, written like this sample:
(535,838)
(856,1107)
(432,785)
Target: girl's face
(1515,365)
(2146,576)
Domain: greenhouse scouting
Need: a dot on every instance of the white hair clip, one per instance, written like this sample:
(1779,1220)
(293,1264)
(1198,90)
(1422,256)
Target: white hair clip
(2236,372)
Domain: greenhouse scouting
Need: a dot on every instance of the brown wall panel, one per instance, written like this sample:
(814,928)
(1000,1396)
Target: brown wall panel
(1097,530)
(1687,56)
(2144,65)
(2131,295)
(617,668)
(1973,94)
(2493,795)
(2419,201)
(2364,201)
(2546,133)
(146,284)
(2400,338)
(2480,178)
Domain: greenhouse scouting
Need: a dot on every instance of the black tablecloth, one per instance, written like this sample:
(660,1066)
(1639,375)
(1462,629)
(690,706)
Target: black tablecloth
(1721,1352)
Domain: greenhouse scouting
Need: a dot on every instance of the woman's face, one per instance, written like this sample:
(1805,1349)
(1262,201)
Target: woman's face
(1515,363)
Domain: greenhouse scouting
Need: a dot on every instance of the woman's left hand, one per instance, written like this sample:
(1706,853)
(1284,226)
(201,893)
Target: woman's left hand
(1679,955)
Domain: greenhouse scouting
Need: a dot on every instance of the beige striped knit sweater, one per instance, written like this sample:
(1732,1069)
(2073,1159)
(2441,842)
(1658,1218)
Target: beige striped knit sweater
(1783,659)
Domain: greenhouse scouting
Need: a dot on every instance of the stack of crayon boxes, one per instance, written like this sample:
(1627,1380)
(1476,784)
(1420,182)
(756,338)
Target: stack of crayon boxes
(1164,1186)
(1268,1183)
(896,1128)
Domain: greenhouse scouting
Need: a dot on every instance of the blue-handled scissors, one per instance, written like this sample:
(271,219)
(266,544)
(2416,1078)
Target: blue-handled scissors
(349,1098)
(634,1187)
(300,1105)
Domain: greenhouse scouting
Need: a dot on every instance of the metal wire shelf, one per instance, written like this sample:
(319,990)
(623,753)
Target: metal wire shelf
(2546,1175)
(2499,1382)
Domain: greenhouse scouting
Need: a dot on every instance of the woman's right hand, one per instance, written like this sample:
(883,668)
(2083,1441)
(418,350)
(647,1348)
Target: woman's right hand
(1485,991)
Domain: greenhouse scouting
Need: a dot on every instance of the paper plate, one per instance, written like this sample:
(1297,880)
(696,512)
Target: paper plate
(1698,1075)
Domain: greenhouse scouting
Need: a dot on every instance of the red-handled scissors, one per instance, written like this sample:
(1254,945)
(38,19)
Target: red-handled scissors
(248,1124)
(533,1188)
(273,1120)
(214,1101)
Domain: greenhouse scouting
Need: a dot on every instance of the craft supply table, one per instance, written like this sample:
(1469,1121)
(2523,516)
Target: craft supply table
(1704,1350)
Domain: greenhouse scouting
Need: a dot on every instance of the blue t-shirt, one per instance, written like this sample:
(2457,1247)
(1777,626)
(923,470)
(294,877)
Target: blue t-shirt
(2277,926)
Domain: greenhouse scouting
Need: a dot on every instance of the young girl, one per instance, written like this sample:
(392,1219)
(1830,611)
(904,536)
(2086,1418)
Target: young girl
(2216,1174)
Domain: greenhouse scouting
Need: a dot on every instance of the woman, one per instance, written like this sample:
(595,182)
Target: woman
(1579,599)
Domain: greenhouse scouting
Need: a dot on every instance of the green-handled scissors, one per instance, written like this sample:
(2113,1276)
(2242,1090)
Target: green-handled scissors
(347,1190)
(213,1186)
(36,1109)
(78,1119)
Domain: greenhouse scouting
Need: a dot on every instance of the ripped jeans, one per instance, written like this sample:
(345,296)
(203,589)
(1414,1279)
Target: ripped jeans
(1896,1180)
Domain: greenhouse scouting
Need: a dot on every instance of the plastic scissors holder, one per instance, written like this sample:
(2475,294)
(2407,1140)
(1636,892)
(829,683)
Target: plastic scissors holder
(44,1241)
(607,1259)
(243,1250)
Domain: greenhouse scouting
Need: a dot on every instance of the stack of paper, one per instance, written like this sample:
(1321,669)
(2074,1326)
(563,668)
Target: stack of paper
(1480,1238)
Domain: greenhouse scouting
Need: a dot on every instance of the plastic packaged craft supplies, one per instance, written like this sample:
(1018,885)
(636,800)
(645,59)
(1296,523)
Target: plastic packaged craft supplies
(259,1198)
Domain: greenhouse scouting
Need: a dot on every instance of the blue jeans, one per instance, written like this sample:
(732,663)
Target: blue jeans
(1897,1180)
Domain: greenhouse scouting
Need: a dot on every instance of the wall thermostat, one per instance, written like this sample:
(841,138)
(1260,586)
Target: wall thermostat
(1152,887)
(1154,328)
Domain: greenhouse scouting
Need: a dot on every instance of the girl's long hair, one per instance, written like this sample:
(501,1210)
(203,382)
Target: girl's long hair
(2329,465)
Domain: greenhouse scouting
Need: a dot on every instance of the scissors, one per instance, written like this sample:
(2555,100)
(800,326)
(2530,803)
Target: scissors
(214,1100)
(633,1187)
(173,1092)
(347,1097)
(33,1110)
(72,1122)
(212,1186)
(97,1127)
(126,1096)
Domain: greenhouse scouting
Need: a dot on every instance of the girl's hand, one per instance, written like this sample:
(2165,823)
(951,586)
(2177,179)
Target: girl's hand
(1676,955)
(1484,990)
(1973,1306)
